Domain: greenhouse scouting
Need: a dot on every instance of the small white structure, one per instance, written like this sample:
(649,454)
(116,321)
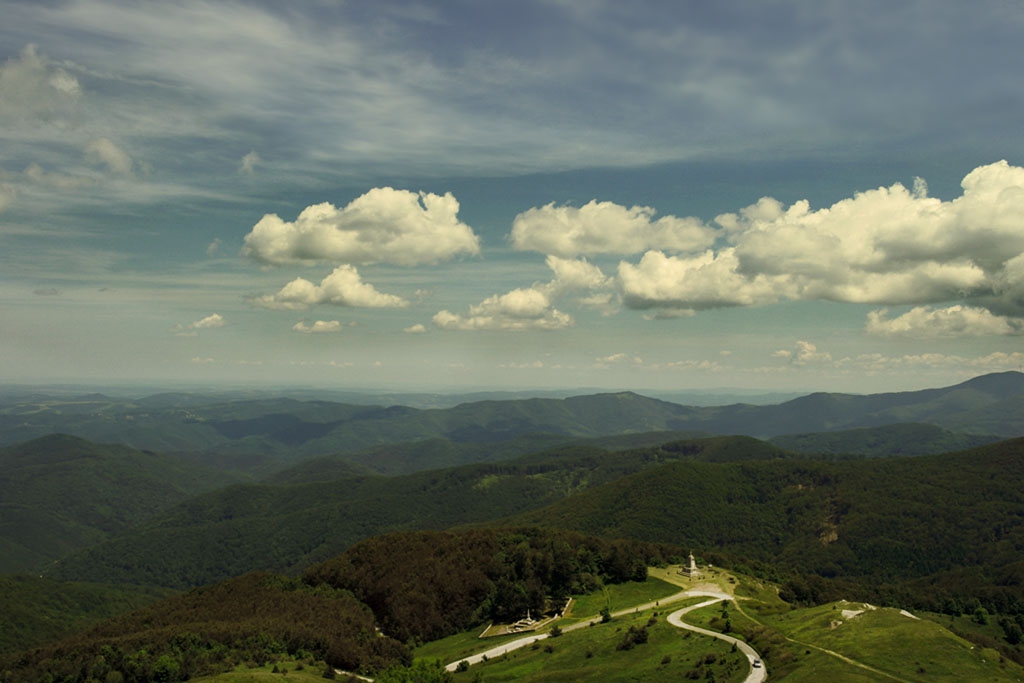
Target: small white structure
(690,570)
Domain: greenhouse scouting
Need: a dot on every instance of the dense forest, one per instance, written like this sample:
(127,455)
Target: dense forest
(414,586)
(928,532)
(427,585)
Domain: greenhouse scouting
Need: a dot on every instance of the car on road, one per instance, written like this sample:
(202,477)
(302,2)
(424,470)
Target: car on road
(756,663)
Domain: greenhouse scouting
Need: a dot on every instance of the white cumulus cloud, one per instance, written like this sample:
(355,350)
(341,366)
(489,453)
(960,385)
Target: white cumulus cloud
(804,353)
(382,226)
(343,287)
(605,228)
(575,275)
(318,327)
(520,309)
(211,321)
(708,280)
(953,321)
(534,307)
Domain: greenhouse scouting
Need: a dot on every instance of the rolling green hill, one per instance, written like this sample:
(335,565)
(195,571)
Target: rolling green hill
(883,442)
(253,618)
(290,429)
(438,453)
(282,527)
(60,493)
(34,610)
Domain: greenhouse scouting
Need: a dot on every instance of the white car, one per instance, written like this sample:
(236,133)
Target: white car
(756,664)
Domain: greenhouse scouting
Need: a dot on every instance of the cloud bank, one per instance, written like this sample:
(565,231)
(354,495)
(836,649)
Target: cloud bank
(886,246)
(954,321)
(889,246)
(605,228)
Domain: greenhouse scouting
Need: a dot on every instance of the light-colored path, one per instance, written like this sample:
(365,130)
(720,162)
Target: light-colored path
(757,675)
(833,653)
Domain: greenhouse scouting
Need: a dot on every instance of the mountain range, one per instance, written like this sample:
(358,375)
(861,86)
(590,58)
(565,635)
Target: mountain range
(290,429)
(174,491)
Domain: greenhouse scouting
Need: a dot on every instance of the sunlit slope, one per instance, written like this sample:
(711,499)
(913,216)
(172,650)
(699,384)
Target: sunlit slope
(890,641)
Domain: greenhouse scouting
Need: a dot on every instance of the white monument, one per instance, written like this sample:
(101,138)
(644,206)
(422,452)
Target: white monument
(690,570)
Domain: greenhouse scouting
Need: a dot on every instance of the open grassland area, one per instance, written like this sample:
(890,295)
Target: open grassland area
(599,653)
(838,641)
(585,607)
(460,645)
(889,645)
(618,597)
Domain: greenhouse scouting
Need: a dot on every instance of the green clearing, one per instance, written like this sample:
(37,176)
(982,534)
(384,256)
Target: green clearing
(618,597)
(592,654)
(799,645)
(903,647)
(615,597)
(460,645)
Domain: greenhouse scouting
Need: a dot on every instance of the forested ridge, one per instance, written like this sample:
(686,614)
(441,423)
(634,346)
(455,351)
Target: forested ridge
(286,527)
(929,532)
(427,585)
(295,429)
(60,493)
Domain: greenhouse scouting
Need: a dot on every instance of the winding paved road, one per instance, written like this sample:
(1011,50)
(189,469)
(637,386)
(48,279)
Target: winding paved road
(757,675)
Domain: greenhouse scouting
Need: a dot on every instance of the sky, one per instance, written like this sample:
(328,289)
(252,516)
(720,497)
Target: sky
(454,195)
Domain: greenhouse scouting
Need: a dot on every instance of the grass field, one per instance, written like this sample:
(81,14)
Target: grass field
(799,645)
(892,643)
(617,596)
(593,654)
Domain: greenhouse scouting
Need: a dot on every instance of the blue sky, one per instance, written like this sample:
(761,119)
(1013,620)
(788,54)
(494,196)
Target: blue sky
(452,195)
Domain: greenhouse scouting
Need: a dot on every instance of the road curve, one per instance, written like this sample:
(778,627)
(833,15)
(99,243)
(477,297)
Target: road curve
(756,675)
